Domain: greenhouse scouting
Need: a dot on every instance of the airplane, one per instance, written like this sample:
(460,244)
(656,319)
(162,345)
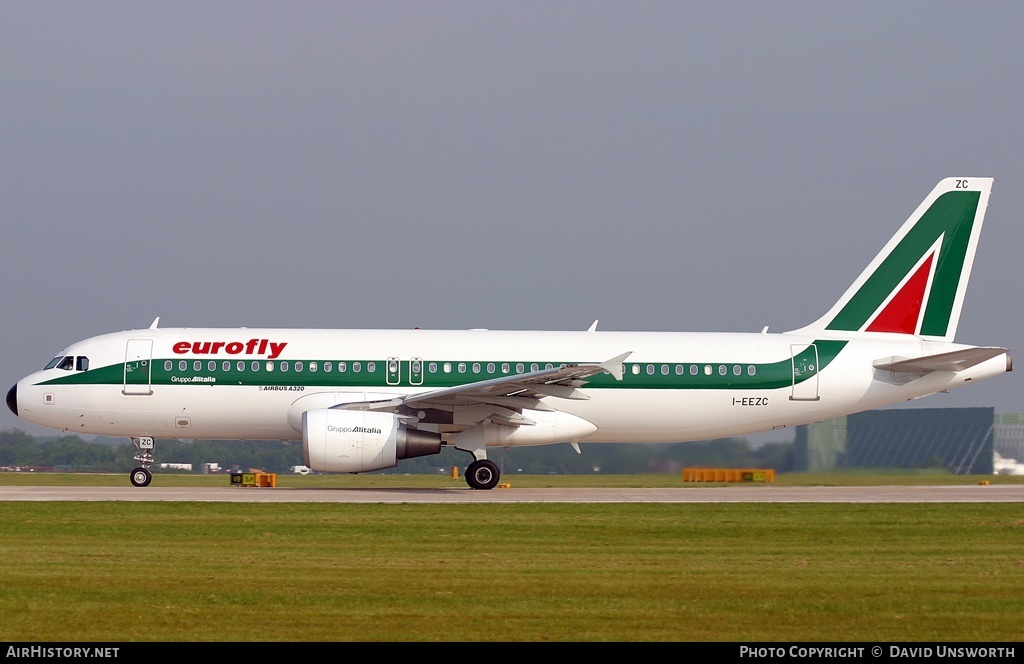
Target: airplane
(363,400)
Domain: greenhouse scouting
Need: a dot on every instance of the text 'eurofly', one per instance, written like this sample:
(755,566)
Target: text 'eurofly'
(272,349)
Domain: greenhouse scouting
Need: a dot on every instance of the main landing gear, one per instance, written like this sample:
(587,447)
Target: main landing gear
(141,475)
(482,474)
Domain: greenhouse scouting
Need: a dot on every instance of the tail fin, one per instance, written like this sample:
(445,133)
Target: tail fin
(916,284)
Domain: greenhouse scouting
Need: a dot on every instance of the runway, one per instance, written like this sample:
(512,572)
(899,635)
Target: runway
(719,494)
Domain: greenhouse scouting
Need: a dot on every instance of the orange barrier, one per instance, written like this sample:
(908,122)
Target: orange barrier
(728,475)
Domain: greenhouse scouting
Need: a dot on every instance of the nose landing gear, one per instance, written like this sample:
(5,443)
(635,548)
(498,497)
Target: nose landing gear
(141,476)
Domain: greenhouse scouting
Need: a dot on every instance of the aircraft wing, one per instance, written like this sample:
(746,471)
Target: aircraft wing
(504,397)
(957,360)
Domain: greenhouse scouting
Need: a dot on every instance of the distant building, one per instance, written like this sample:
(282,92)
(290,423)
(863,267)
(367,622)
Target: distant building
(962,440)
(1009,442)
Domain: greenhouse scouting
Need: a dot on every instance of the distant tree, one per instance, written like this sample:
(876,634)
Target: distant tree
(16,445)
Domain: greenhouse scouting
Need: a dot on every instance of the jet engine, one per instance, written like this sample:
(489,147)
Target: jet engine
(356,441)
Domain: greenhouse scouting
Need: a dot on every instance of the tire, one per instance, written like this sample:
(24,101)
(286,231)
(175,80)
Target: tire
(141,477)
(482,474)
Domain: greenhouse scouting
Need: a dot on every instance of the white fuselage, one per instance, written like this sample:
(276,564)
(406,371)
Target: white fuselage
(238,383)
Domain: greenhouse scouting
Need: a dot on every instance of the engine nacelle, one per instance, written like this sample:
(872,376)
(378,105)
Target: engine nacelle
(356,441)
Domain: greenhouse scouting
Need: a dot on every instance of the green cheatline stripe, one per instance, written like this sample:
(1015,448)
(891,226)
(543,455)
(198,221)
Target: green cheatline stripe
(950,216)
(767,376)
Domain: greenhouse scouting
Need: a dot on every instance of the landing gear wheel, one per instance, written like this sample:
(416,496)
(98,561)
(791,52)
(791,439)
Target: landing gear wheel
(141,477)
(482,474)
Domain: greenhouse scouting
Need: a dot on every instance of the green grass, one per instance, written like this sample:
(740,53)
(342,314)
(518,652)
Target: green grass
(113,571)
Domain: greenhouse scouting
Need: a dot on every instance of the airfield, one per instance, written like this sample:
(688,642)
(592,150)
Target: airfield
(304,562)
(716,494)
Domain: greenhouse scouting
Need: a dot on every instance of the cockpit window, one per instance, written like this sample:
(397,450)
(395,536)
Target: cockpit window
(67,363)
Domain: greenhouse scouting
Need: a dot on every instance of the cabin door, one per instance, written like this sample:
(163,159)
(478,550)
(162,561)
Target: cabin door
(138,366)
(416,371)
(805,373)
(394,371)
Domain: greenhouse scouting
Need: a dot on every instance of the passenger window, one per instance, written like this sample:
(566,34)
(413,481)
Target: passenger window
(182,365)
(197,365)
(211,365)
(357,367)
(270,365)
(342,367)
(737,370)
(751,370)
(664,370)
(636,369)
(284,366)
(462,367)
(255,365)
(225,365)
(504,367)
(476,367)
(328,367)
(240,365)
(371,366)
(168,365)
(519,367)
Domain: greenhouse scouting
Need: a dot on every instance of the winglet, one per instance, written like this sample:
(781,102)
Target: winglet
(614,365)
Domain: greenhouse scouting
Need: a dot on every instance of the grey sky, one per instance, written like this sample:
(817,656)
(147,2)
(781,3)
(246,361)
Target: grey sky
(524,165)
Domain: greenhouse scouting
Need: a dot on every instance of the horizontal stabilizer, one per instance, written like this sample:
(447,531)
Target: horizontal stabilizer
(957,360)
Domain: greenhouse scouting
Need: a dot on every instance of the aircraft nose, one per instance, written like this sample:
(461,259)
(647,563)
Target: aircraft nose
(12,399)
